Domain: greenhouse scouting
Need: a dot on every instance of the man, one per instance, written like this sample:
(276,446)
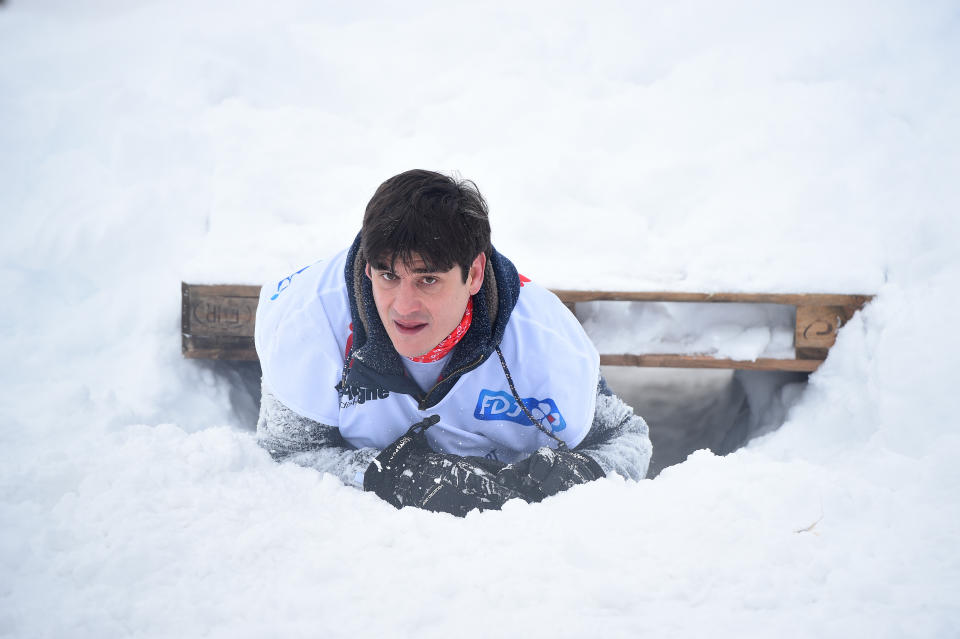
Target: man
(418,364)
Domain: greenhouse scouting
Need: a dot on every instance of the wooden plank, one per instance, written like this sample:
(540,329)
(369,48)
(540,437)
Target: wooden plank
(225,290)
(705,361)
(217,321)
(236,355)
(222,315)
(794,299)
(571,296)
(216,310)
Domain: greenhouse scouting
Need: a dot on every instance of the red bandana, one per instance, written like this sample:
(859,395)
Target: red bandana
(440,350)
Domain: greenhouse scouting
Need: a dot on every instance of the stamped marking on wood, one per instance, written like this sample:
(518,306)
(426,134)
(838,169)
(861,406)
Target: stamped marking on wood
(818,329)
(218,321)
(224,314)
(817,326)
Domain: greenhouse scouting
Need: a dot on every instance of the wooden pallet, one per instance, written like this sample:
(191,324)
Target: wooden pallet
(217,323)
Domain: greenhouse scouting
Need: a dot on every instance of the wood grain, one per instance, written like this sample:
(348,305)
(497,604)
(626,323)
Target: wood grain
(217,321)
(794,299)
(706,361)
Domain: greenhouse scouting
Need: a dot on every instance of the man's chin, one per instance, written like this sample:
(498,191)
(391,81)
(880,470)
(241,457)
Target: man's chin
(409,349)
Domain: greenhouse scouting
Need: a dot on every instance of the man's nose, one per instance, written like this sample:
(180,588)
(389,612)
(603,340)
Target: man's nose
(407,300)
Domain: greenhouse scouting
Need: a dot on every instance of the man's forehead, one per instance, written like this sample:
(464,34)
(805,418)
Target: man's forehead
(415,264)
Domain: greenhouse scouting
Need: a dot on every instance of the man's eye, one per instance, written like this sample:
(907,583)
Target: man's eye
(388,276)
(429,280)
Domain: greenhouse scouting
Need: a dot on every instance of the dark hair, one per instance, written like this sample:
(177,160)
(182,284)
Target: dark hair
(438,218)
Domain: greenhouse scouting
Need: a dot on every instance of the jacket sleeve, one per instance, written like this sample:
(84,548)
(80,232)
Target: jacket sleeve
(618,440)
(288,436)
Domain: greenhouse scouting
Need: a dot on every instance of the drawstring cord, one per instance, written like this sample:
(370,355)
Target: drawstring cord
(562,445)
(342,386)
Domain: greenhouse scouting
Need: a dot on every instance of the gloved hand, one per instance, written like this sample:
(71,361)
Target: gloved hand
(547,472)
(409,473)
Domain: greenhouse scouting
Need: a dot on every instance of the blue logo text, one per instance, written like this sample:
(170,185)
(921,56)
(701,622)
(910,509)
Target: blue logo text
(499,405)
(285,282)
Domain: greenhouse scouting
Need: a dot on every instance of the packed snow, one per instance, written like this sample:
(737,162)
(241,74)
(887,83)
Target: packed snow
(726,330)
(698,146)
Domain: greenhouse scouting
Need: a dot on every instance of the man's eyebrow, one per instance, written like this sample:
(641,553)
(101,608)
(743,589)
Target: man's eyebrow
(421,270)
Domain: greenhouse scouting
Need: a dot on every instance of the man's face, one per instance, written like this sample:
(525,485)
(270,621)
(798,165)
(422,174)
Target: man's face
(419,307)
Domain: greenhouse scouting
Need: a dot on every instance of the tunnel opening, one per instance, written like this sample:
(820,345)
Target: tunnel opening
(686,409)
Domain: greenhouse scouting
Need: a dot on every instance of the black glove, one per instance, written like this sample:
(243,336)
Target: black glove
(549,471)
(409,473)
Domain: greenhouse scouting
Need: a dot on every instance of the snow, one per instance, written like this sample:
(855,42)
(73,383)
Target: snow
(722,330)
(686,146)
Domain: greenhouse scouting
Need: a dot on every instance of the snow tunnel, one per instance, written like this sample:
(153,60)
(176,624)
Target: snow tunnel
(687,409)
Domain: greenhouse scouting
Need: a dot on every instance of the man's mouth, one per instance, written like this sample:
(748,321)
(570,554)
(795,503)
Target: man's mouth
(409,328)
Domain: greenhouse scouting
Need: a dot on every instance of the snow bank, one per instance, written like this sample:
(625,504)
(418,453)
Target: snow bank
(681,147)
(728,330)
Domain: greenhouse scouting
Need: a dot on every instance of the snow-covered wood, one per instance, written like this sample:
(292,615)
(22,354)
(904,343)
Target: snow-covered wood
(218,321)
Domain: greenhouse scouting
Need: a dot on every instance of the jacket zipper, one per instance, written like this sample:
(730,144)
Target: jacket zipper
(460,371)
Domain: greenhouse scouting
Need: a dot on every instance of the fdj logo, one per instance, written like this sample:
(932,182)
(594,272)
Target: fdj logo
(498,405)
(285,282)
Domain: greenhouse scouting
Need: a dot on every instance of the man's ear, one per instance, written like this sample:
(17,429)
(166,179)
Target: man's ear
(475,277)
(366,270)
